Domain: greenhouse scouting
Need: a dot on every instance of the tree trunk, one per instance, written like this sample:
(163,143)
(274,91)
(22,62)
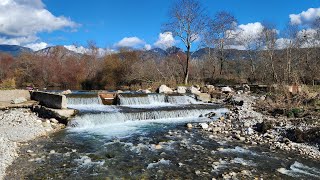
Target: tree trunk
(186,75)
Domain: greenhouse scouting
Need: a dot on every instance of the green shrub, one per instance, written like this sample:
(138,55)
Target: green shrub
(294,112)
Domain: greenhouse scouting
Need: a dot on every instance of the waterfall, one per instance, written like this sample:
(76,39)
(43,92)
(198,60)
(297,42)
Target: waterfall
(154,99)
(83,101)
(105,120)
(181,99)
(141,99)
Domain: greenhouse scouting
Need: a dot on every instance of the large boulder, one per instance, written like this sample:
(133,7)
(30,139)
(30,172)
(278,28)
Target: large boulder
(204,97)
(164,89)
(181,89)
(193,90)
(146,91)
(207,89)
(226,89)
(19,100)
(66,92)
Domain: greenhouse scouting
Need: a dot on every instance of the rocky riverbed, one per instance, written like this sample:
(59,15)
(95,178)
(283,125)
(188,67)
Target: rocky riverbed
(243,144)
(17,127)
(244,124)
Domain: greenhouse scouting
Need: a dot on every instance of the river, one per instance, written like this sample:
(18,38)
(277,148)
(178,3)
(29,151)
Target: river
(144,137)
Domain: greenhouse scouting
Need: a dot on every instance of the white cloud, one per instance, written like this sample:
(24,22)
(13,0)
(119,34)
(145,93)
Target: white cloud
(309,37)
(22,20)
(17,40)
(246,35)
(84,50)
(147,47)
(250,30)
(282,43)
(305,17)
(25,18)
(131,42)
(165,40)
(37,46)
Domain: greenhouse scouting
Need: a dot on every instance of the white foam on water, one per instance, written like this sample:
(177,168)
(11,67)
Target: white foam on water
(143,100)
(300,170)
(123,124)
(160,162)
(86,161)
(243,162)
(182,100)
(221,165)
(238,150)
(157,100)
(94,107)
(83,101)
(148,106)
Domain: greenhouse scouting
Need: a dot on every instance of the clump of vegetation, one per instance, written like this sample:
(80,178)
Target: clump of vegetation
(311,136)
(8,84)
(295,112)
(279,101)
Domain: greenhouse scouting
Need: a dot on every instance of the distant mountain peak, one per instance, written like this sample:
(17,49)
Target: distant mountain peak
(173,50)
(13,50)
(60,50)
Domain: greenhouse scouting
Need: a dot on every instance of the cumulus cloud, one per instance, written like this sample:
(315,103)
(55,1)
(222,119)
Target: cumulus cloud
(165,40)
(250,30)
(305,17)
(25,18)
(310,38)
(22,20)
(37,46)
(17,40)
(84,50)
(245,35)
(282,43)
(131,42)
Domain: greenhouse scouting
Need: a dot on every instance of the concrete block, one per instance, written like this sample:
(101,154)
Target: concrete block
(9,95)
(50,100)
(62,115)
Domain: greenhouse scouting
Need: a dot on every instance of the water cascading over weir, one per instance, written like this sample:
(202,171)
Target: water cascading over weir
(141,108)
(154,99)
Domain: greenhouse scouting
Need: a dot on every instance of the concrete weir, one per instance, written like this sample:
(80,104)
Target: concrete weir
(52,106)
(50,100)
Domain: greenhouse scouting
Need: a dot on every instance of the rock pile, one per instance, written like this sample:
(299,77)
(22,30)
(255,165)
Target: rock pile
(18,126)
(246,125)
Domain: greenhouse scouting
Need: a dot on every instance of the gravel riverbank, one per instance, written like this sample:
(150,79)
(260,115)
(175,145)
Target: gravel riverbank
(17,126)
(246,125)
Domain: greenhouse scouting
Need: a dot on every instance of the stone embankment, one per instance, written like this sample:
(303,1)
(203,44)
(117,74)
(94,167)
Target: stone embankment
(244,124)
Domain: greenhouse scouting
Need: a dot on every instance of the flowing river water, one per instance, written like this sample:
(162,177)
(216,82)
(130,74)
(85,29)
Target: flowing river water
(144,137)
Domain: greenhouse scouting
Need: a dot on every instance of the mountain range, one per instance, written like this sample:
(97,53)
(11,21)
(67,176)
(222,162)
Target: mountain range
(13,50)
(155,53)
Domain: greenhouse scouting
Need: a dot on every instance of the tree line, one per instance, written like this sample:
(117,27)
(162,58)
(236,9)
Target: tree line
(260,59)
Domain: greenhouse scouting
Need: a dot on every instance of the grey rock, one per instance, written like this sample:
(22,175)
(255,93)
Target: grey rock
(19,100)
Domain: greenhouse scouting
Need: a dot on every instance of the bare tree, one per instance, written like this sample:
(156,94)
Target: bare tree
(252,43)
(291,42)
(221,34)
(188,21)
(270,36)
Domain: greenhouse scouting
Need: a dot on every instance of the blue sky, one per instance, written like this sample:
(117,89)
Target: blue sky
(107,22)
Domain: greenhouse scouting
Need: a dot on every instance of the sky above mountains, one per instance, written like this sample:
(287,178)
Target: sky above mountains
(112,24)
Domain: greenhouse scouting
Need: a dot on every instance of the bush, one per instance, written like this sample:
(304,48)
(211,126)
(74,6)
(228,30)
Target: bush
(8,84)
